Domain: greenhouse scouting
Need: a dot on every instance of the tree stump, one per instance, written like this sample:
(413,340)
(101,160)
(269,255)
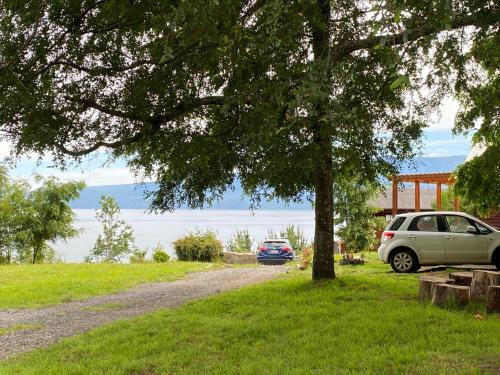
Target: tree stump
(449,294)
(462,278)
(426,283)
(481,280)
(493,299)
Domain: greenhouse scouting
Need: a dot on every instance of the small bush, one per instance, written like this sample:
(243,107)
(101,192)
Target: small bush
(138,256)
(240,243)
(306,256)
(160,255)
(198,246)
(296,238)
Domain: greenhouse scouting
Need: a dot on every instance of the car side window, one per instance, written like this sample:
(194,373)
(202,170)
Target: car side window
(482,229)
(396,224)
(425,224)
(457,224)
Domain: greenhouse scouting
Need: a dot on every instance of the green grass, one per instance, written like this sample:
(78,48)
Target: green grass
(20,327)
(38,285)
(368,321)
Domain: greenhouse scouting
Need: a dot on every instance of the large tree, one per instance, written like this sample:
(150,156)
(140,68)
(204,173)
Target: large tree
(285,95)
(478,180)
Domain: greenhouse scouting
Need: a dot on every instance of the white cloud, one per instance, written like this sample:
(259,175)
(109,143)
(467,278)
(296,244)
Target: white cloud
(444,118)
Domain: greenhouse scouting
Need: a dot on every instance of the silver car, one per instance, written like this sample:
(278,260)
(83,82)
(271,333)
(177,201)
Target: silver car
(416,239)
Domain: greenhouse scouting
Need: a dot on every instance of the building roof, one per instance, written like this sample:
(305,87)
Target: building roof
(431,178)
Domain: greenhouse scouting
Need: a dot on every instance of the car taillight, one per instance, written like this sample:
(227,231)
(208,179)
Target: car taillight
(386,236)
(287,249)
(262,248)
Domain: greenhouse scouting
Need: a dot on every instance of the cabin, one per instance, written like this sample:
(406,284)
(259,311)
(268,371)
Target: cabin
(417,192)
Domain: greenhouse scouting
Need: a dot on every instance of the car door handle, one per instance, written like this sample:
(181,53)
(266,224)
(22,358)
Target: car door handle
(449,238)
(412,236)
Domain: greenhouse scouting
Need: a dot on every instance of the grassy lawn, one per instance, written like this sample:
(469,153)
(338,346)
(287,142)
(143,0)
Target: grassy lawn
(367,321)
(45,284)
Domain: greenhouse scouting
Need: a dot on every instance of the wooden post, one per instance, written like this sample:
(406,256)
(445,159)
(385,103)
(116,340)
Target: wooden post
(456,203)
(417,196)
(439,202)
(394,196)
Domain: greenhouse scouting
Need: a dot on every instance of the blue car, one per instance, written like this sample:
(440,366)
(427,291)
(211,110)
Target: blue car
(275,251)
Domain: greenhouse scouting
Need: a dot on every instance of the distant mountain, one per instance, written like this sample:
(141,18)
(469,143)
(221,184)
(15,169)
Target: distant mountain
(434,164)
(131,196)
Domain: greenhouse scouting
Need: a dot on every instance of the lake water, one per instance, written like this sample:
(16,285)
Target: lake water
(151,229)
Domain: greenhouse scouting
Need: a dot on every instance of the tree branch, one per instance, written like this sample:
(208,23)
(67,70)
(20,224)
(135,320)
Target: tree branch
(415,34)
(88,103)
(155,122)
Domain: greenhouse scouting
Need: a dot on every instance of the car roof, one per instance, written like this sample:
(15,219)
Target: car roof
(427,213)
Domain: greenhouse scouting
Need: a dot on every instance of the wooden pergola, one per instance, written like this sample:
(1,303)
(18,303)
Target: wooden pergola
(427,178)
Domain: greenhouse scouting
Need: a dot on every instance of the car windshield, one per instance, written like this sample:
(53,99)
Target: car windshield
(274,243)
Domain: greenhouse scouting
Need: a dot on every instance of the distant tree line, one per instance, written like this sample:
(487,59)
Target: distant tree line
(32,217)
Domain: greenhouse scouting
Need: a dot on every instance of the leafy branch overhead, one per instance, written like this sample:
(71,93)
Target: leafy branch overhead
(286,95)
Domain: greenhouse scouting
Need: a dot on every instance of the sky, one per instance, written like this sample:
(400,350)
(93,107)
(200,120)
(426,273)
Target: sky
(438,141)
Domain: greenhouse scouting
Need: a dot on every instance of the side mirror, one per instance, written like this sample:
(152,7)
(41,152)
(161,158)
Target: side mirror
(471,229)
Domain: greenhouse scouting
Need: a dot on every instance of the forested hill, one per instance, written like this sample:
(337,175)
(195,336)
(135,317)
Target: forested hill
(132,196)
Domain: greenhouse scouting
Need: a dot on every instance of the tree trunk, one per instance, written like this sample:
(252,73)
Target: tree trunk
(323,267)
(493,299)
(481,280)
(36,251)
(462,278)
(450,295)
(426,283)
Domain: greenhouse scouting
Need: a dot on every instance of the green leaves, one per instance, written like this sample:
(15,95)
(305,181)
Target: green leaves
(117,238)
(31,218)
(401,82)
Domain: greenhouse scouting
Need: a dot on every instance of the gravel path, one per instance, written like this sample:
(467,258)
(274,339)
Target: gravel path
(72,318)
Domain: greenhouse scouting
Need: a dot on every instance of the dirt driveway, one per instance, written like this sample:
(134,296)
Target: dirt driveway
(45,326)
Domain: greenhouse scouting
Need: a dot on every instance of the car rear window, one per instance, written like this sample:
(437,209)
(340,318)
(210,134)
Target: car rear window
(274,243)
(396,223)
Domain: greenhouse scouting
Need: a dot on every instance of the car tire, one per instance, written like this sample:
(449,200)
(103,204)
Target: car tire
(404,261)
(496,259)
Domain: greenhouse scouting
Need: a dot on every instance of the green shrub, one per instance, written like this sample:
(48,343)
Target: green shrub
(160,255)
(241,242)
(138,256)
(295,237)
(198,246)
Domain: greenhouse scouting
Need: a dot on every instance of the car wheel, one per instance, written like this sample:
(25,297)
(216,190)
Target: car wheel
(404,261)
(496,259)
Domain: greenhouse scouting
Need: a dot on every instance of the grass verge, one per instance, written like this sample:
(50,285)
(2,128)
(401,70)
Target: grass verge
(19,327)
(29,286)
(368,321)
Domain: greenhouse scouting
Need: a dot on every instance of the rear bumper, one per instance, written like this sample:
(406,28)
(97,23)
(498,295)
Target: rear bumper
(381,253)
(274,258)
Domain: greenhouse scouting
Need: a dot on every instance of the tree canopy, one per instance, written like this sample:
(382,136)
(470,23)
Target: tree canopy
(478,180)
(284,95)
(33,217)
